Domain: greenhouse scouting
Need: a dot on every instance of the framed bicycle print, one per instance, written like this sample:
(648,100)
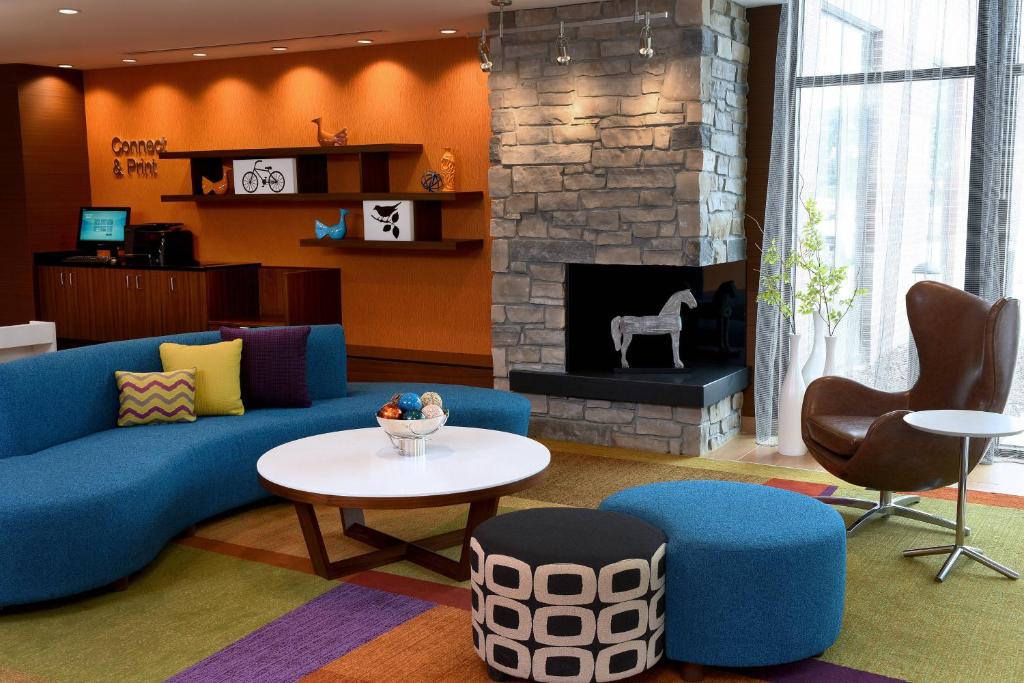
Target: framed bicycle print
(264,176)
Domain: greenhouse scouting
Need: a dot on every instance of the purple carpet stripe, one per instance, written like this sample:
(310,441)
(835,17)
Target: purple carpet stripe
(815,671)
(157,383)
(157,409)
(829,490)
(308,637)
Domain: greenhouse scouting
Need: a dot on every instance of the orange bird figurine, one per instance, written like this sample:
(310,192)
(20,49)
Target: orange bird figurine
(327,139)
(220,186)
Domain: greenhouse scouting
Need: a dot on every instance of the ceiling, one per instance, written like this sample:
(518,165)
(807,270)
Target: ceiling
(105,32)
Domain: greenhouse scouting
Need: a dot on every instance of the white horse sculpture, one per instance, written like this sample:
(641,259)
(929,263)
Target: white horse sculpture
(666,322)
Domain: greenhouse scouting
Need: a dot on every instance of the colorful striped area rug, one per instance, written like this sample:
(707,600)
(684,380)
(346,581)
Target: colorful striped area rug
(238,601)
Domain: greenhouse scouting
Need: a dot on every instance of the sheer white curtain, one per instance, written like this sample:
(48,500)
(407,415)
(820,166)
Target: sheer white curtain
(897,117)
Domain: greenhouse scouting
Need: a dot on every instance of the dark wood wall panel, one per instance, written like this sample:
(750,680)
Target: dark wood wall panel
(44,159)
(13,240)
(377,364)
(764,36)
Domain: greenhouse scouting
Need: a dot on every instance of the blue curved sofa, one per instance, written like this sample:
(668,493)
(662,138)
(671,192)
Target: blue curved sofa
(84,503)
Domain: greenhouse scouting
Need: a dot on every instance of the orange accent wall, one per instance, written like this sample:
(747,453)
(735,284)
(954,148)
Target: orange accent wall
(431,93)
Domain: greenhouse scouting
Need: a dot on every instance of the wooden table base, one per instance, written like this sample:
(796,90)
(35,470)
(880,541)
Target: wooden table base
(390,548)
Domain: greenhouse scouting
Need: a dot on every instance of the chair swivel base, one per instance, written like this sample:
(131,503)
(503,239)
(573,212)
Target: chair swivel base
(887,506)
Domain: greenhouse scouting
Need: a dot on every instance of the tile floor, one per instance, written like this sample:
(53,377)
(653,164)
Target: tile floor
(1001,477)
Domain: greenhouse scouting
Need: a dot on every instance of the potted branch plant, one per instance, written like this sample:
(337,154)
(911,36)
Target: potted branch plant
(822,296)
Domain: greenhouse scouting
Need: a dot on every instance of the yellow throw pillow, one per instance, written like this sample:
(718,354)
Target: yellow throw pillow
(218,372)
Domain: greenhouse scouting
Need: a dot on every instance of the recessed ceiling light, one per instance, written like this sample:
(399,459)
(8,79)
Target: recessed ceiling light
(279,48)
(448,31)
(66,66)
(128,60)
(364,41)
(67,10)
(198,54)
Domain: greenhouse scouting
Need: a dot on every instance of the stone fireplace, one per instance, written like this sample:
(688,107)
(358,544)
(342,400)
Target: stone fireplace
(607,173)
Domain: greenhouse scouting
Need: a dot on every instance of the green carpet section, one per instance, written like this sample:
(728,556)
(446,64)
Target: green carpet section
(901,623)
(187,605)
(898,622)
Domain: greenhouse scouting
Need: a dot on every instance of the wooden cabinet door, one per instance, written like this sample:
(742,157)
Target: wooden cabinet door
(79,301)
(142,310)
(53,298)
(183,302)
(111,292)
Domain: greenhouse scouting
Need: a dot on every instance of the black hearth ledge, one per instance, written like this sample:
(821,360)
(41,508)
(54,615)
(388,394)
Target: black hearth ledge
(700,386)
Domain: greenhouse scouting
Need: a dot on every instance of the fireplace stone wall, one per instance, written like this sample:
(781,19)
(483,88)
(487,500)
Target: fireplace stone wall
(613,159)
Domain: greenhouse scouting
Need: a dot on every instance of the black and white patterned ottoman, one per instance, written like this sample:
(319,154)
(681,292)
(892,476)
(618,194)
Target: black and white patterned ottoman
(568,595)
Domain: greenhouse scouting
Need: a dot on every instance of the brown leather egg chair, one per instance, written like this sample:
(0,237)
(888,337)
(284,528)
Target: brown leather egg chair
(967,349)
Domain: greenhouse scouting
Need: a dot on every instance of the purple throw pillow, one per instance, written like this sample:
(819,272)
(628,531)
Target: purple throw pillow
(273,365)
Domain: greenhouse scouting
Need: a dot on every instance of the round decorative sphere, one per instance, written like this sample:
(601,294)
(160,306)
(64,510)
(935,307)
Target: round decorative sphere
(431,410)
(409,401)
(431,181)
(390,411)
(412,415)
(432,398)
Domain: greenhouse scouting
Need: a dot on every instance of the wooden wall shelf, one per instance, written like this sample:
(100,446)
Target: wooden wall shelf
(312,183)
(451,246)
(271,152)
(322,197)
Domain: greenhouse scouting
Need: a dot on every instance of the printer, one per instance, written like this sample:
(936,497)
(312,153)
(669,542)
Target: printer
(160,244)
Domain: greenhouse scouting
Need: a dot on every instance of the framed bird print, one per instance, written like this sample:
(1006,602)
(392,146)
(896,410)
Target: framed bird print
(388,221)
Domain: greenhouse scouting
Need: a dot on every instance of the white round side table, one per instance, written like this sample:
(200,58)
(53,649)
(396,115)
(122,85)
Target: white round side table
(965,424)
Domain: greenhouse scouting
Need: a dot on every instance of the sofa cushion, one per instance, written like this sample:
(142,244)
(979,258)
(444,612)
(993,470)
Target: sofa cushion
(80,514)
(273,365)
(154,397)
(841,434)
(32,420)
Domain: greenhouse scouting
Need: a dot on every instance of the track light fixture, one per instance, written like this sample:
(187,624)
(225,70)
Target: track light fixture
(485,58)
(646,39)
(562,46)
(562,56)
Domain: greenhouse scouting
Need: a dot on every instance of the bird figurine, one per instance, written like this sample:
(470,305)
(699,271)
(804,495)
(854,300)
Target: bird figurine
(219,186)
(338,139)
(336,231)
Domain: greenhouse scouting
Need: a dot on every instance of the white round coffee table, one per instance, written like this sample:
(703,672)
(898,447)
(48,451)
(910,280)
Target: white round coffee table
(359,469)
(965,424)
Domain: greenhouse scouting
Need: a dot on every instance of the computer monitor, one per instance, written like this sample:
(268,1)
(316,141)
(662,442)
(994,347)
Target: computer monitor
(102,227)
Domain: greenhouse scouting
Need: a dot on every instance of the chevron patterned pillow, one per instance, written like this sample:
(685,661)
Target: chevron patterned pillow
(153,397)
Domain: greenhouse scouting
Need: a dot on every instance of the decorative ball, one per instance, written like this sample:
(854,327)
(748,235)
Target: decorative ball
(389,411)
(432,181)
(409,401)
(431,410)
(412,415)
(432,398)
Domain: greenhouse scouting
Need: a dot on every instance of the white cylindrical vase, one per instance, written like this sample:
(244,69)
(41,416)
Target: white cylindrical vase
(830,355)
(791,401)
(816,361)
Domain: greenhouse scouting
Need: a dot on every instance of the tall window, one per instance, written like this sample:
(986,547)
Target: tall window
(899,119)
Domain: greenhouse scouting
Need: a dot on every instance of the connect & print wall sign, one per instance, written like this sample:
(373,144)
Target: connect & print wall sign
(136,158)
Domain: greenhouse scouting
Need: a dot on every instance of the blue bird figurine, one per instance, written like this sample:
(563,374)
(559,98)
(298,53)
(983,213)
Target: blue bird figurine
(336,231)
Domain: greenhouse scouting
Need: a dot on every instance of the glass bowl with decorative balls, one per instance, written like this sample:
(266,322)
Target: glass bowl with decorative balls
(409,418)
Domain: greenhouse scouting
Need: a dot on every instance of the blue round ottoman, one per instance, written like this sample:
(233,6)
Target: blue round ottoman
(755,575)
